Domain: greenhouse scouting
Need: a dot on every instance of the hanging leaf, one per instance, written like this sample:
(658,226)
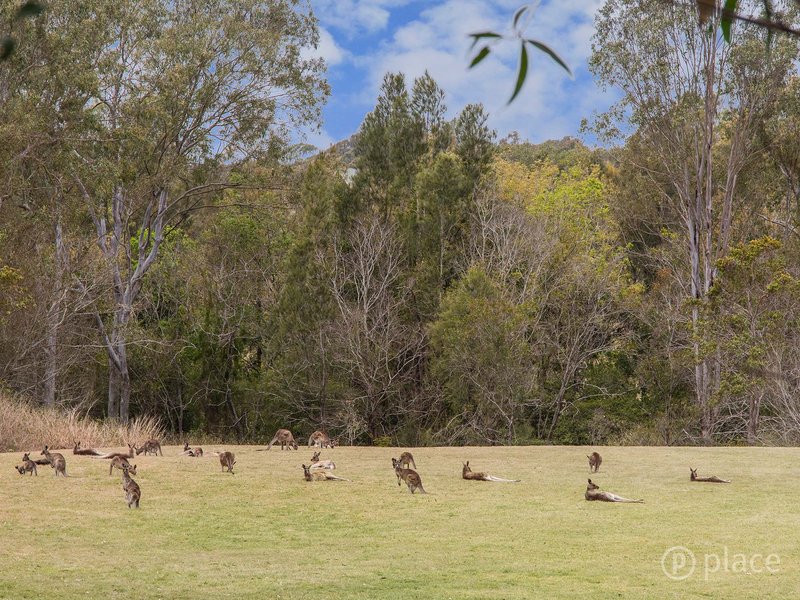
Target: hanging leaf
(552,54)
(727,19)
(518,15)
(523,72)
(485,34)
(480,56)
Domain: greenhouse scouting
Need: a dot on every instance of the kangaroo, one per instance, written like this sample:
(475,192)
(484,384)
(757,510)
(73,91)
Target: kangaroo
(406,459)
(27,466)
(286,439)
(196,452)
(594,461)
(118,454)
(85,451)
(227,460)
(150,446)
(593,493)
(320,439)
(411,477)
(316,463)
(320,475)
(56,461)
(466,473)
(713,479)
(120,462)
(133,492)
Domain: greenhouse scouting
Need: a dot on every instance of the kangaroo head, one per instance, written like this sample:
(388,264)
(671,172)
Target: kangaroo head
(693,472)
(315,458)
(185,446)
(26,456)
(333,443)
(395,463)
(131,469)
(294,445)
(592,486)
(77,446)
(44,452)
(466,468)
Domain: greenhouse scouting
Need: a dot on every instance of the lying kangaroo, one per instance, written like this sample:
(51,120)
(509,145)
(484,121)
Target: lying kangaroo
(406,459)
(320,475)
(320,439)
(593,493)
(467,473)
(132,491)
(85,451)
(411,477)
(316,463)
(286,439)
(594,462)
(56,461)
(196,452)
(227,460)
(120,462)
(116,454)
(713,479)
(27,466)
(150,446)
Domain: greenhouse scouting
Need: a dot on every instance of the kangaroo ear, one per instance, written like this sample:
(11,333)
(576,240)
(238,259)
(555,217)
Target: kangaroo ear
(590,481)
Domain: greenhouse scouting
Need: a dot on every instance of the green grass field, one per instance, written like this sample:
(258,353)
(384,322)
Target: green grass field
(267,533)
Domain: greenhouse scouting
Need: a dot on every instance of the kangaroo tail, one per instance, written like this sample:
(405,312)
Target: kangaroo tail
(501,480)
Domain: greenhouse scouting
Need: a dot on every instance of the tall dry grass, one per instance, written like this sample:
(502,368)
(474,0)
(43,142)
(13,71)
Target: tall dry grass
(24,426)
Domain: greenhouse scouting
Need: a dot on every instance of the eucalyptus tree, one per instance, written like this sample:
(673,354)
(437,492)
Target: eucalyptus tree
(180,91)
(680,84)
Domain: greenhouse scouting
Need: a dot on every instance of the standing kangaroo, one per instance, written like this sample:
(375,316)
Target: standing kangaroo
(713,479)
(286,439)
(406,459)
(130,454)
(593,493)
(150,446)
(120,462)
(411,477)
(56,461)
(466,473)
(27,466)
(132,491)
(227,460)
(320,475)
(320,439)
(594,462)
(85,451)
(196,452)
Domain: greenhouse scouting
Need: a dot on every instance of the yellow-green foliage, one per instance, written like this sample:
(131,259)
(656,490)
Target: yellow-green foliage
(266,533)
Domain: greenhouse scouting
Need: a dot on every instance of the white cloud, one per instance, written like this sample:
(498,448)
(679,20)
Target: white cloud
(354,16)
(550,105)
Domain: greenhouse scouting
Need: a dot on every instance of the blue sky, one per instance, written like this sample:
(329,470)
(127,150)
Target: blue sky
(363,39)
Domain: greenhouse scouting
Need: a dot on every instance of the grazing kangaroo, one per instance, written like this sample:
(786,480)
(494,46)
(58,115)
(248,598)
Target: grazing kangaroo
(85,451)
(227,460)
(150,446)
(594,462)
(320,475)
(116,454)
(406,459)
(196,452)
(411,477)
(132,491)
(56,461)
(467,473)
(316,463)
(593,493)
(120,462)
(286,439)
(27,466)
(320,439)
(713,479)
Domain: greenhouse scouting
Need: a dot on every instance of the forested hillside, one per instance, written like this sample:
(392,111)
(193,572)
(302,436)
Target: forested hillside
(165,251)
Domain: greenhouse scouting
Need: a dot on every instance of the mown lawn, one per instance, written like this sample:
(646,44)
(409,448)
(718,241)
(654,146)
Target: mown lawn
(267,533)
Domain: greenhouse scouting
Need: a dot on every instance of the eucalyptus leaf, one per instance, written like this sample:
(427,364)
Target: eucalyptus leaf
(480,56)
(552,54)
(523,72)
